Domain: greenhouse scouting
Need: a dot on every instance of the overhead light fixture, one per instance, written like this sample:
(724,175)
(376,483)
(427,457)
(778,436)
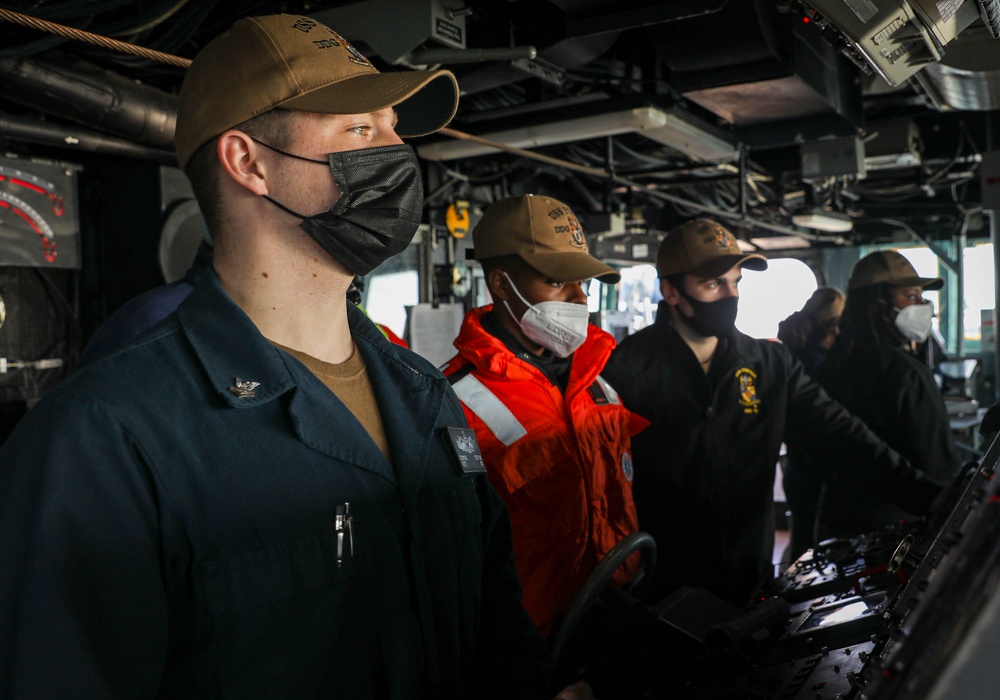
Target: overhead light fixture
(681,134)
(780,242)
(822,220)
(670,128)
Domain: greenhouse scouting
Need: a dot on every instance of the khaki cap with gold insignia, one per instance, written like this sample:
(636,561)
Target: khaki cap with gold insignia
(703,248)
(543,232)
(294,62)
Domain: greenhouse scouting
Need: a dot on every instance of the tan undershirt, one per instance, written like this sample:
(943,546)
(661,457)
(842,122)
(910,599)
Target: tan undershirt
(350,383)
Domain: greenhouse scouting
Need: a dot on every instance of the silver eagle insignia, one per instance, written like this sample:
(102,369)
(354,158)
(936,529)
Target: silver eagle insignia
(244,389)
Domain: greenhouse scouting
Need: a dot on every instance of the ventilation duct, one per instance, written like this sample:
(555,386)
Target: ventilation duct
(27,130)
(989,11)
(760,68)
(93,97)
(968,77)
(413,23)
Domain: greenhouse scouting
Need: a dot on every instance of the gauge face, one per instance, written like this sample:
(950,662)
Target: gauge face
(461,279)
(3,312)
(39,226)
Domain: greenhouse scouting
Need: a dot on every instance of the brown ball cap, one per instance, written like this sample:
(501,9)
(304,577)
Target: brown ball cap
(294,62)
(543,232)
(703,248)
(825,304)
(890,267)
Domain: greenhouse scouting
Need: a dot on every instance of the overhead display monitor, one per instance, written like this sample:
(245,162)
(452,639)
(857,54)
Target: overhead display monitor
(895,38)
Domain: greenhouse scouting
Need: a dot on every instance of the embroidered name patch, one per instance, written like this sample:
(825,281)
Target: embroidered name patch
(465,447)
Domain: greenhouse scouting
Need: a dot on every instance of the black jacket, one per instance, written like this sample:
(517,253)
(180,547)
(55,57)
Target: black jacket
(704,469)
(894,393)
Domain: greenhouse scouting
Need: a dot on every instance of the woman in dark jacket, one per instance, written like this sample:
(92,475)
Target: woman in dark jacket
(873,370)
(809,334)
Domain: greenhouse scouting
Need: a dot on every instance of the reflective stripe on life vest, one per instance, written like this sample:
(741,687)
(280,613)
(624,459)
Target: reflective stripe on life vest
(491,411)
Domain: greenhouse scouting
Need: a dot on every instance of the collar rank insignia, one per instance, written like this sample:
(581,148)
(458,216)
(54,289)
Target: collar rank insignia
(244,389)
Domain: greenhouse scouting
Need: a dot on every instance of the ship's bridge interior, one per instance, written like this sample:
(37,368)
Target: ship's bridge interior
(810,138)
(816,131)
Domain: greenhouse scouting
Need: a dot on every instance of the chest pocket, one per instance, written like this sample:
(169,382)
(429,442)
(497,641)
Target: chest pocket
(466,511)
(466,518)
(268,575)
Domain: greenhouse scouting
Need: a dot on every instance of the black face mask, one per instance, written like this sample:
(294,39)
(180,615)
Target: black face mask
(710,318)
(379,210)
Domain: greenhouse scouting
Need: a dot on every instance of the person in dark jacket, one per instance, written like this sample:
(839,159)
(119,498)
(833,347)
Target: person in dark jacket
(262,497)
(875,371)
(809,334)
(720,404)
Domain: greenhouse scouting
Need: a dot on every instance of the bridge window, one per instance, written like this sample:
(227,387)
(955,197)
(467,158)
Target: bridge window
(767,298)
(388,295)
(979,294)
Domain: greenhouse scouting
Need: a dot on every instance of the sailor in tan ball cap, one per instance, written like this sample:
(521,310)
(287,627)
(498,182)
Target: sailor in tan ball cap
(554,434)
(721,404)
(262,496)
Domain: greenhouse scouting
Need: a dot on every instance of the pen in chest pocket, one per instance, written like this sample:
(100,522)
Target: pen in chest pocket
(343,524)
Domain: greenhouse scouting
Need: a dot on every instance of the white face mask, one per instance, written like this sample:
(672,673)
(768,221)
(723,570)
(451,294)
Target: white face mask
(914,321)
(558,326)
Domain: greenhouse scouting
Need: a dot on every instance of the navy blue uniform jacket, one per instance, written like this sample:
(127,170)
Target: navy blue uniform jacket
(162,537)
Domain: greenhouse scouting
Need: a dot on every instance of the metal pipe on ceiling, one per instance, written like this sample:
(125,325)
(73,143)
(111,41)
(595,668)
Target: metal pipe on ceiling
(33,131)
(735,217)
(93,97)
